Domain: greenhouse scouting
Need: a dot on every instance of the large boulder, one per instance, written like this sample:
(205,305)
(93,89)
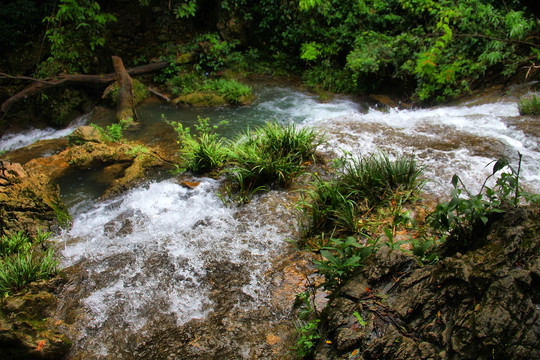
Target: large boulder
(479,305)
(28,202)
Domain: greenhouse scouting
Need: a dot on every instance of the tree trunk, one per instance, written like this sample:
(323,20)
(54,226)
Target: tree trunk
(125,105)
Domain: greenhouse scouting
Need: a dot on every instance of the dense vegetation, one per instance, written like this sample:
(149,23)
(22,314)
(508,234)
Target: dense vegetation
(345,229)
(430,50)
(23,260)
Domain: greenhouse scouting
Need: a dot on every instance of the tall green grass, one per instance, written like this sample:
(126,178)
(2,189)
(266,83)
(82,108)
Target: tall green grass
(22,261)
(335,207)
(271,155)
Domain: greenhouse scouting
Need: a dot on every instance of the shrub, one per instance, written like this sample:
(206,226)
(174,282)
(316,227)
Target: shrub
(529,105)
(466,216)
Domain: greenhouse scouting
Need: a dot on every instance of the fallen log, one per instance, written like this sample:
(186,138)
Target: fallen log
(40,85)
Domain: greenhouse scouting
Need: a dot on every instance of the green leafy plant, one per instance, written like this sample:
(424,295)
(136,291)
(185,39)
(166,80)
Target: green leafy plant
(341,258)
(22,262)
(359,318)
(113,132)
(74,32)
(468,214)
(529,105)
(308,337)
(214,52)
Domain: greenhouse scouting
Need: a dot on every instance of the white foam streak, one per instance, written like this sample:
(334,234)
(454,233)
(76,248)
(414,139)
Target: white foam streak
(456,139)
(15,141)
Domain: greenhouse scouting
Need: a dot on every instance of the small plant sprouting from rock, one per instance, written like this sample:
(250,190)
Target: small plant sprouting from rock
(114,132)
(23,260)
(529,105)
(467,213)
(307,326)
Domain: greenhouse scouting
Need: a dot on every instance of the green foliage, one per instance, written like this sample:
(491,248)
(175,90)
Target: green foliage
(74,32)
(185,9)
(113,132)
(13,244)
(184,83)
(215,52)
(341,258)
(271,155)
(466,214)
(308,337)
(22,262)
(136,150)
(529,105)
(437,49)
(336,206)
(203,153)
(424,249)
(307,326)
(230,89)
(359,318)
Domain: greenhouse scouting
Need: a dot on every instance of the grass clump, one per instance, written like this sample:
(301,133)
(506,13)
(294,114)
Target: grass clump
(22,261)
(231,90)
(200,153)
(271,155)
(529,105)
(338,206)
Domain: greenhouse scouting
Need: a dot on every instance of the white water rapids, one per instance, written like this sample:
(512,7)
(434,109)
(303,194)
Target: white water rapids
(154,254)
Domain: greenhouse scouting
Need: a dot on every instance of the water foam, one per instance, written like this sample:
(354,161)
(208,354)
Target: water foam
(448,140)
(13,141)
(149,254)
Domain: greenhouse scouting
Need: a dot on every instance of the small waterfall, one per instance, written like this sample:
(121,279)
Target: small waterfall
(10,142)
(448,140)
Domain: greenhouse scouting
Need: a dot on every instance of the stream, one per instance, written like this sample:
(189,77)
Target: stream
(167,272)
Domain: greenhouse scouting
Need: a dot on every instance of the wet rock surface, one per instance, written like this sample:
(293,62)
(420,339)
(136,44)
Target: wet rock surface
(28,330)
(123,165)
(28,201)
(483,304)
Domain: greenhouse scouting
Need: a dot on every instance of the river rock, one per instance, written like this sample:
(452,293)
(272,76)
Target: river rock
(479,305)
(28,202)
(28,329)
(85,134)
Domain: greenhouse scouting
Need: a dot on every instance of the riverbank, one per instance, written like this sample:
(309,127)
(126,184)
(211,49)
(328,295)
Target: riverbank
(145,236)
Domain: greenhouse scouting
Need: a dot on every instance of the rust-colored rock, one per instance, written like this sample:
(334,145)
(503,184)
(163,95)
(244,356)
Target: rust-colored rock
(28,201)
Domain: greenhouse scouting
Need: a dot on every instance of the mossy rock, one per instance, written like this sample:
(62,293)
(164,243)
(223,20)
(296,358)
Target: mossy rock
(29,202)
(201,99)
(27,330)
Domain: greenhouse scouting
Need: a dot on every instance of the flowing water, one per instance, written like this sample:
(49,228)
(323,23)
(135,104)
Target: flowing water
(164,271)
